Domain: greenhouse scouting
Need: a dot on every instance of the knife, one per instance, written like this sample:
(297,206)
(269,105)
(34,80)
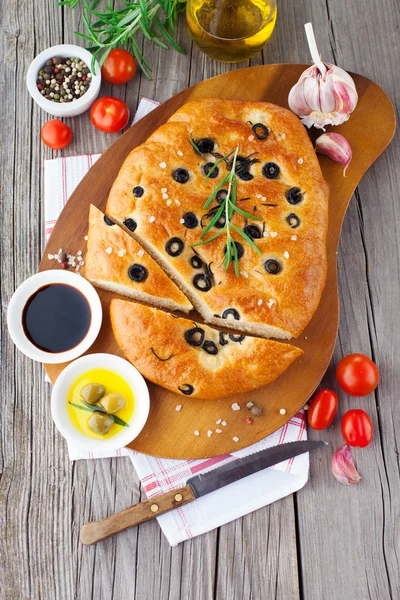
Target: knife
(200,485)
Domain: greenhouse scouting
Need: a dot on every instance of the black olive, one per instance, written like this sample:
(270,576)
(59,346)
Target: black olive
(138,191)
(194,336)
(221,222)
(231,311)
(236,338)
(293,221)
(271,170)
(239,250)
(196,262)
(294,195)
(174,246)
(108,221)
(253,231)
(272,266)
(186,389)
(180,175)
(221,196)
(207,168)
(260,131)
(130,224)
(222,340)
(137,273)
(190,220)
(202,282)
(245,175)
(205,145)
(210,347)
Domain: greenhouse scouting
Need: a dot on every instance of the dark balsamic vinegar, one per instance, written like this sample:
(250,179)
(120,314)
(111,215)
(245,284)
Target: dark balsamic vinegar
(56,318)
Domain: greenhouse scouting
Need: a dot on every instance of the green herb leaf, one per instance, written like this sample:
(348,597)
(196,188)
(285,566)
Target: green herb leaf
(118,421)
(79,406)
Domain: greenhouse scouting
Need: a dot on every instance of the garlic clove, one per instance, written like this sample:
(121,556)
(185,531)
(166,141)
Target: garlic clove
(335,147)
(324,94)
(343,467)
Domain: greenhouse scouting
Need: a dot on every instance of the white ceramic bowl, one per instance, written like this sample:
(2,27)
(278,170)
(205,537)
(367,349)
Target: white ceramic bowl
(66,109)
(32,285)
(122,368)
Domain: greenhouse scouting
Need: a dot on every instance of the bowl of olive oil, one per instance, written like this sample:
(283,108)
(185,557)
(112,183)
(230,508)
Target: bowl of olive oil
(231,30)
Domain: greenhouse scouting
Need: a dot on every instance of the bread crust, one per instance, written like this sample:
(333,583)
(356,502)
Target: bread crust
(269,305)
(154,341)
(110,254)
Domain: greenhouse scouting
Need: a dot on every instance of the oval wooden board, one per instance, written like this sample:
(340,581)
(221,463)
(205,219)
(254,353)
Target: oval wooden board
(169,433)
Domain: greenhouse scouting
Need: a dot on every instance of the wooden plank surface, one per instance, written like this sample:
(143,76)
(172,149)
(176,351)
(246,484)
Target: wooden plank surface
(327,543)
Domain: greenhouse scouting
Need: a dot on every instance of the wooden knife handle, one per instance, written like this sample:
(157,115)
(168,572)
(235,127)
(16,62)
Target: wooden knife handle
(95,531)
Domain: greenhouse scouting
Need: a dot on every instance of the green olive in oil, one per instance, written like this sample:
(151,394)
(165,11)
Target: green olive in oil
(231,30)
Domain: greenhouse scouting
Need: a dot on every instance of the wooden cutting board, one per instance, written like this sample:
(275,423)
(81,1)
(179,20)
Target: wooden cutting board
(170,433)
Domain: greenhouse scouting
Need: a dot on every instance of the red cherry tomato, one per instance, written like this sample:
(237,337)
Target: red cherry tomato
(357,375)
(119,67)
(109,114)
(322,409)
(56,134)
(357,428)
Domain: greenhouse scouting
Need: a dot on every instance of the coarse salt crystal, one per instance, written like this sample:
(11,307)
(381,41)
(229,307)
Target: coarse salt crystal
(163,190)
(141,252)
(273,234)
(250,138)
(121,252)
(294,238)
(179,153)
(271,302)
(235,439)
(300,161)
(197,432)
(178,408)
(50,256)
(177,202)
(163,165)
(218,430)
(181,220)
(258,195)
(168,202)
(282,411)
(235,406)
(209,433)
(218,422)
(266,234)
(109,250)
(152,219)
(224,423)
(79,252)
(86,238)
(244,273)
(165,196)
(283,136)
(259,302)
(263,198)
(286,254)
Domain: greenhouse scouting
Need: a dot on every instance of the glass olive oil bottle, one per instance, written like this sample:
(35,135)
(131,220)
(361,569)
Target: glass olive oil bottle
(231,30)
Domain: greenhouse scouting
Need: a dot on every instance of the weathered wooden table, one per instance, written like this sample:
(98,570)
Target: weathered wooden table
(328,542)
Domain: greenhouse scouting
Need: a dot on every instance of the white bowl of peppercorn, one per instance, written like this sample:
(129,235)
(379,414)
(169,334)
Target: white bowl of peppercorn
(62,82)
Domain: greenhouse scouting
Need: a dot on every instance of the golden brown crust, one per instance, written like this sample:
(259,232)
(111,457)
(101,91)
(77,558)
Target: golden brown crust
(111,253)
(269,305)
(143,332)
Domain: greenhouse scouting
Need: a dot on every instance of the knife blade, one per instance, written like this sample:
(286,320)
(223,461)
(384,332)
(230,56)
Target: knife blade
(200,485)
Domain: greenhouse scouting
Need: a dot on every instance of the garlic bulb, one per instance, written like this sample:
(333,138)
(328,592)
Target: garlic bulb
(343,466)
(335,147)
(325,94)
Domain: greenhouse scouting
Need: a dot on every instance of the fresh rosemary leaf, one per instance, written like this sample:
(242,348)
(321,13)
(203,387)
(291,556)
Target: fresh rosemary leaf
(196,148)
(244,213)
(246,237)
(79,406)
(94,407)
(215,218)
(209,239)
(216,190)
(217,163)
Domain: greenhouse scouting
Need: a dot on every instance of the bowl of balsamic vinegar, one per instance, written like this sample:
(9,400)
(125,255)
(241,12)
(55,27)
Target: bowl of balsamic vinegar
(54,316)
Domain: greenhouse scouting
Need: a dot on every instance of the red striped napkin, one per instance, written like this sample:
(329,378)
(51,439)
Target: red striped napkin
(160,475)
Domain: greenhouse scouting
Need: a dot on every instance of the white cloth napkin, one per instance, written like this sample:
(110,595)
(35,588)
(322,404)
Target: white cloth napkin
(160,475)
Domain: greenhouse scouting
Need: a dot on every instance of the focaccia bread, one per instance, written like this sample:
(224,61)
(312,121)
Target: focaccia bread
(195,360)
(159,197)
(116,262)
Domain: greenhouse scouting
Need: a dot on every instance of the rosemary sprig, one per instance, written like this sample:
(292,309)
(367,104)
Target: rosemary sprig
(228,208)
(109,29)
(97,408)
